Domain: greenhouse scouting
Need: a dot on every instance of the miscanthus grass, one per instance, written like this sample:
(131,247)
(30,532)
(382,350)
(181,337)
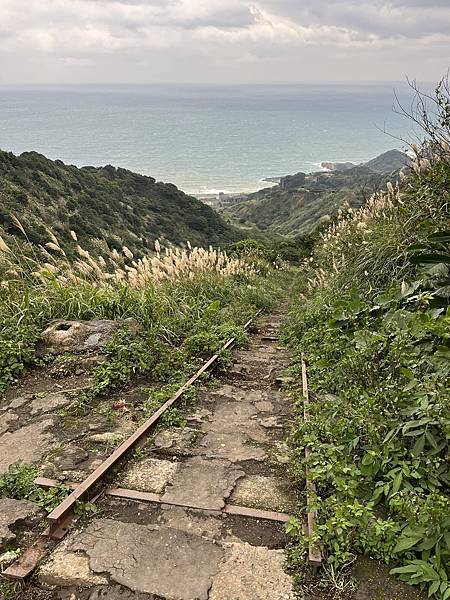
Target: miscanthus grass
(169,292)
(370,245)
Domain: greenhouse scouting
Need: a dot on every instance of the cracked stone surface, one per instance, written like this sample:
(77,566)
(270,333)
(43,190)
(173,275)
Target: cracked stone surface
(251,573)
(13,511)
(15,446)
(228,454)
(144,558)
(149,475)
(204,483)
(268,493)
(229,416)
(199,416)
(20,401)
(232,417)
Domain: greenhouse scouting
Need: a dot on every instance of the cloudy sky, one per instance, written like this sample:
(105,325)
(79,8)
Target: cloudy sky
(143,41)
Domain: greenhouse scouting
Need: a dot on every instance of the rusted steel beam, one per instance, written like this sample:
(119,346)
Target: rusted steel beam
(230,509)
(66,506)
(25,564)
(314,552)
(255,513)
(50,483)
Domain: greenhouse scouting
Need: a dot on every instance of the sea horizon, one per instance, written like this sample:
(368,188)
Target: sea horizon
(204,138)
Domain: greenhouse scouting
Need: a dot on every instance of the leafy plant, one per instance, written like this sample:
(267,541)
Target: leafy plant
(18,483)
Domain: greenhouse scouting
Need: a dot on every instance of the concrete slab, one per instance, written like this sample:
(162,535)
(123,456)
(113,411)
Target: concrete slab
(229,417)
(167,563)
(236,417)
(27,444)
(6,420)
(267,493)
(149,475)
(264,406)
(232,447)
(205,483)
(49,402)
(251,573)
(190,521)
(66,568)
(11,512)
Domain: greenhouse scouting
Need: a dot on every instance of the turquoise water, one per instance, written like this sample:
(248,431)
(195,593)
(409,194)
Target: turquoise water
(203,138)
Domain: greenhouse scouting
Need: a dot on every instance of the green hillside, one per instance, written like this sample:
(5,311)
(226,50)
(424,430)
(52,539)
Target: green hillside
(301,201)
(102,205)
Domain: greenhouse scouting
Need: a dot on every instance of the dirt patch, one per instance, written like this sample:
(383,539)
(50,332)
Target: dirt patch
(375,583)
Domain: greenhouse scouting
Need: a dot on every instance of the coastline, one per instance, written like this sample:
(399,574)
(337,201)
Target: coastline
(221,199)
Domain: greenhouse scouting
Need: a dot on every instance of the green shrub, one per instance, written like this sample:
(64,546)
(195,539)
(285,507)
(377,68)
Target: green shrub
(374,326)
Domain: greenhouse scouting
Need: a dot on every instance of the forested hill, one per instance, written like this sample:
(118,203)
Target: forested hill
(101,204)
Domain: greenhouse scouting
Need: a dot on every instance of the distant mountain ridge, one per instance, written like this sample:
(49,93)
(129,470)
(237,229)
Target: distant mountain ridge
(105,206)
(301,201)
(387,162)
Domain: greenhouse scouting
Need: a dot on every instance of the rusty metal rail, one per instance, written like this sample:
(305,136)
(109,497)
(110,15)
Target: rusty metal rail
(60,518)
(314,552)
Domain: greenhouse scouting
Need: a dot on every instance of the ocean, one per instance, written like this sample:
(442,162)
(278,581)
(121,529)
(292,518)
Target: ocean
(204,138)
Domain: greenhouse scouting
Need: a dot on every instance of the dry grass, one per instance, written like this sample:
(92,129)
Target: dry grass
(51,263)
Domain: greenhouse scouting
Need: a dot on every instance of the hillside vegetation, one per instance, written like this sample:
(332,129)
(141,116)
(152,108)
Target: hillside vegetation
(301,202)
(372,316)
(105,206)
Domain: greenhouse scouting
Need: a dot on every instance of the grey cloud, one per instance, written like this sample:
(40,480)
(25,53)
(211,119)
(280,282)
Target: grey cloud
(210,39)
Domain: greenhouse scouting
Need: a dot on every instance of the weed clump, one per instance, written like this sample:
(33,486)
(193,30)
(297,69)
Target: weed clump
(19,483)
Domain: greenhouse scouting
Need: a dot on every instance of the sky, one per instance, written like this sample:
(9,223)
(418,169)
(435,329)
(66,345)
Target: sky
(230,41)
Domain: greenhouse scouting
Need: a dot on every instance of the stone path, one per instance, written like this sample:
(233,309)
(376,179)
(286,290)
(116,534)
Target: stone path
(231,452)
